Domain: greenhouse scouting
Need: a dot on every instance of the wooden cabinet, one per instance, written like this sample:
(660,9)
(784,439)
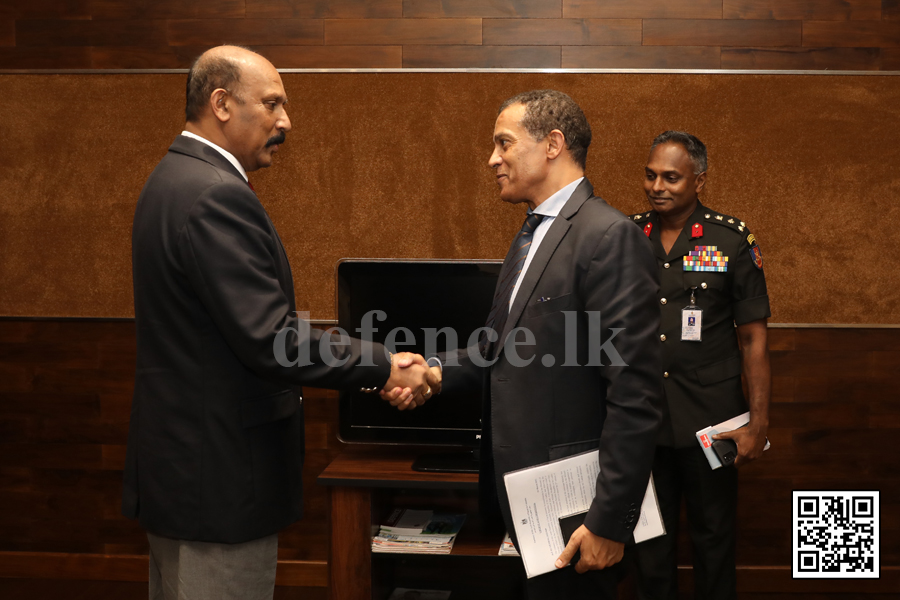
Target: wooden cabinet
(364,486)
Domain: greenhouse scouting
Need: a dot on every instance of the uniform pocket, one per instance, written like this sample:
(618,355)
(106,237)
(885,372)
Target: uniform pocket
(268,408)
(704,280)
(719,371)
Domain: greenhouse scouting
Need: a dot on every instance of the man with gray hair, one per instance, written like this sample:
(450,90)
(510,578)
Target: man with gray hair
(215,444)
(713,307)
(575,259)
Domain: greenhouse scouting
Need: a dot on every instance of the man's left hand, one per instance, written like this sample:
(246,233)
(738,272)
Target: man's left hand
(596,552)
(750,443)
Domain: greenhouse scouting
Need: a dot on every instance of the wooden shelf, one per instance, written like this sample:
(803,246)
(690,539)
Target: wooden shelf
(389,468)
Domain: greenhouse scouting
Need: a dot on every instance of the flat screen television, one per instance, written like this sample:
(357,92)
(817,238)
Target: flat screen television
(420,295)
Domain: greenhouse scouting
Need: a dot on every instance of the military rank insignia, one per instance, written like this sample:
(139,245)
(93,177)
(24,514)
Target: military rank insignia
(696,230)
(706,258)
(648,228)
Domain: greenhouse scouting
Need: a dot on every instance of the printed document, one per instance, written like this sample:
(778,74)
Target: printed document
(539,496)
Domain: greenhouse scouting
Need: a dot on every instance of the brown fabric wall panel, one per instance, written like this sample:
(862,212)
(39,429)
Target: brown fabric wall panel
(324,9)
(324,197)
(819,10)
(853,33)
(494,57)
(644,9)
(278,32)
(334,57)
(736,32)
(402,31)
(640,57)
(849,59)
(136,32)
(166,9)
(480,8)
(557,32)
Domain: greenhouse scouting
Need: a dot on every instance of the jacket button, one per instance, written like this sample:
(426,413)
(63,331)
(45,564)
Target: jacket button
(666,375)
(703,285)
(666,266)
(662,300)
(662,338)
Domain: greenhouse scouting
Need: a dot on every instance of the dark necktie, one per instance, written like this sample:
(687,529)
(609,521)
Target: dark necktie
(509,275)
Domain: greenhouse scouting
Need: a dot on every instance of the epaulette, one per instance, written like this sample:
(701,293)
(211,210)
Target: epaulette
(640,216)
(711,216)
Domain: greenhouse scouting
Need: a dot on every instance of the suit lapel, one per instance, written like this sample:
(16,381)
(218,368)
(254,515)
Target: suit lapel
(541,259)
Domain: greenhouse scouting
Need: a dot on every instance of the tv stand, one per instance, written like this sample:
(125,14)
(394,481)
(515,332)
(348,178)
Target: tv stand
(364,486)
(466,461)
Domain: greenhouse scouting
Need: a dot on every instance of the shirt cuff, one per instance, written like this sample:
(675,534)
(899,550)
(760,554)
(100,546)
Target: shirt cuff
(434,361)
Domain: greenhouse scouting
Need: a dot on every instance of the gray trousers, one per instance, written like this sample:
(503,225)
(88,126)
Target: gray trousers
(182,570)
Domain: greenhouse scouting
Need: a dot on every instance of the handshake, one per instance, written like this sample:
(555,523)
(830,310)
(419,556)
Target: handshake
(412,381)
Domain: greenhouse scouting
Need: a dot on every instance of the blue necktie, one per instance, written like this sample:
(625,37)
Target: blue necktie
(509,275)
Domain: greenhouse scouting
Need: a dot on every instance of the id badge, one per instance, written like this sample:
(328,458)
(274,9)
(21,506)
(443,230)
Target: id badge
(691,323)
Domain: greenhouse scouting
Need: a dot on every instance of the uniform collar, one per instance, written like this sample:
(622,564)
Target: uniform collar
(683,244)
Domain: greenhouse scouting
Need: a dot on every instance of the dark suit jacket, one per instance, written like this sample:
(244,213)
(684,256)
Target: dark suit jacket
(591,259)
(215,446)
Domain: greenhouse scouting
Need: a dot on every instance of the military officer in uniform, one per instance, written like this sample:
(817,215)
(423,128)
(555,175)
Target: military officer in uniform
(714,307)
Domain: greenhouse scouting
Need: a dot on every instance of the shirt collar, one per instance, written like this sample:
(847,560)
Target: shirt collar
(552,205)
(228,155)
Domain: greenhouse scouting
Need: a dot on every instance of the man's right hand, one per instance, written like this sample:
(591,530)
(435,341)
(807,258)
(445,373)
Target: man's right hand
(411,382)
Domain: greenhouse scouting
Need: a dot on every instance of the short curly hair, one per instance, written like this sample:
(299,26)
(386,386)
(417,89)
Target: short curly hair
(546,110)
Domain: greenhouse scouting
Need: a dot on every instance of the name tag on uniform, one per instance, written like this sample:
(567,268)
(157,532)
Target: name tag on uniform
(691,323)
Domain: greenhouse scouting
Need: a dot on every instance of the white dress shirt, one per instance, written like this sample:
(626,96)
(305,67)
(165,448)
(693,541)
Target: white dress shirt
(228,155)
(550,209)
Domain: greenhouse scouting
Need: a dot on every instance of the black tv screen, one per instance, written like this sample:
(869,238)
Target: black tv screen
(418,296)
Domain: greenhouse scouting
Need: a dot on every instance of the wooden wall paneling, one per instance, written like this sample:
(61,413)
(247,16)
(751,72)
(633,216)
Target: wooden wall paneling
(128,57)
(7,32)
(885,34)
(437,9)
(46,9)
(734,32)
(484,57)
(134,32)
(890,9)
(818,10)
(643,9)
(250,32)
(334,57)
(640,57)
(351,32)
(35,57)
(775,59)
(890,59)
(324,9)
(558,32)
(166,9)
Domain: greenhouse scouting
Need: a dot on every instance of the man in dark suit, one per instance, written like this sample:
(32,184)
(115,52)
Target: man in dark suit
(215,446)
(574,386)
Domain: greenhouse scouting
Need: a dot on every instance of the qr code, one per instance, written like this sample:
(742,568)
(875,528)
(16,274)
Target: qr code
(835,535)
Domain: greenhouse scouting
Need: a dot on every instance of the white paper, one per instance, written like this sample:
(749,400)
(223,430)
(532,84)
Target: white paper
(704,437)
(540,495)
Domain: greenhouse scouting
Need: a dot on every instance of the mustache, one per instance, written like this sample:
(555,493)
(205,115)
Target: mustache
(276,139)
